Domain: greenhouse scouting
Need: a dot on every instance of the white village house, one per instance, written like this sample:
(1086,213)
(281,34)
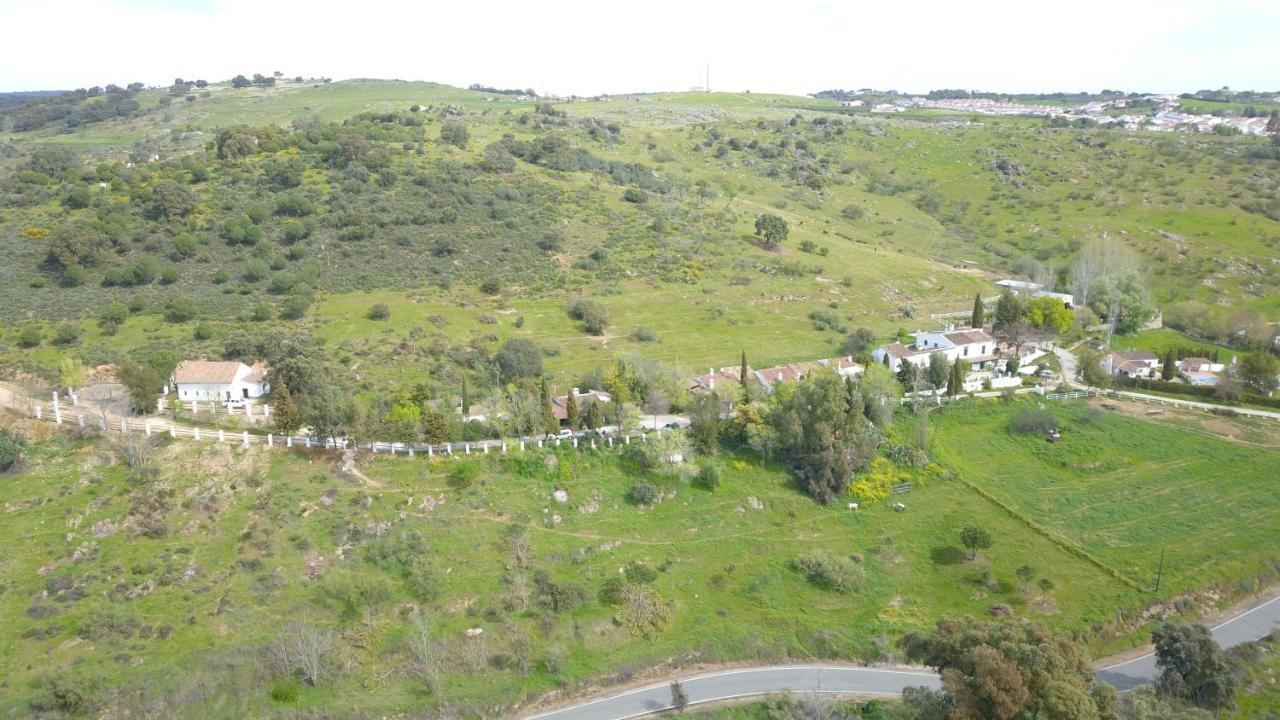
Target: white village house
(225,382)
(1131,363)
(976,347)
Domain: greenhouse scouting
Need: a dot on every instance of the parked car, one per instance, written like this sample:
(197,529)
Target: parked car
(564,433)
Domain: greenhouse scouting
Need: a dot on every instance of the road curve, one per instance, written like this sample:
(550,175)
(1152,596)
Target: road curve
(746,682)
(1256,622)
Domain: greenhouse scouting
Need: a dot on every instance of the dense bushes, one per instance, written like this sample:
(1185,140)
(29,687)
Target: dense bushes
(1031,421)
(842,575)
(11,449)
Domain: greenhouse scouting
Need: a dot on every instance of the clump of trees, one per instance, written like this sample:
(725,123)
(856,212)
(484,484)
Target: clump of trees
(592,313)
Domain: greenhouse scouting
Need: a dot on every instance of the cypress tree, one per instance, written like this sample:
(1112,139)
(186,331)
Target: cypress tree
(742,372)
(548,413)
(466,399)
(284,413)
(979,312)
(571,409)
(595,419)
(955,383)
(1167,372)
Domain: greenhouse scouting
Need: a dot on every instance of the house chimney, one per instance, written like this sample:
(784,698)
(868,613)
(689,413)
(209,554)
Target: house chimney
(950,327)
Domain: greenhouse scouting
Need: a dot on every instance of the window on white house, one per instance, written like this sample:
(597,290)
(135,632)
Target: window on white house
(966,352)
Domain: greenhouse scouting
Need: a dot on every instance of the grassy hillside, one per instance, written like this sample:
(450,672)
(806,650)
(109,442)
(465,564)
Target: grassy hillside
(199,566)
(334,196)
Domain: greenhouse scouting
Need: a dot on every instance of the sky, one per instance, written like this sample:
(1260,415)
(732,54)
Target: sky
(586,48)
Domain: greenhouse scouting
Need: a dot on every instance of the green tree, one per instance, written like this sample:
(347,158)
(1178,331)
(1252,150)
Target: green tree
(454,133)
(327,410)
(679,698)
(1010,311)
(821,435)
(772,229)
(519,358)
(571,410)
(435,426)
(1170,366)
(172,200)
(938,369)
(143,382)
(979,317)
(881,392)
(1092,373)
(595,318)
(594,419)
(1192,666)
(1025,573)
(1050,314)
(1003,671)
(71,373)
(549,422)
(744,372)
(1258,370)
(704,424)
(30,336)
(284,413)
(955,377)
(975,538)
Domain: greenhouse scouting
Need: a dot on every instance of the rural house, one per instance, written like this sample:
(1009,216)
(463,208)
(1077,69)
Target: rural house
(1133,363)
(225,382)
(975,347)
(560,404)
(727,378)
(1035,290)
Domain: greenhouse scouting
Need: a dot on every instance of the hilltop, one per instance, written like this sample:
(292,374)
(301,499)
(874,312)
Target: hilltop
(336,196)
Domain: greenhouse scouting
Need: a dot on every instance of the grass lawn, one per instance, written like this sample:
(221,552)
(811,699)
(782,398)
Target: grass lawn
(1115,488)
(1164,339)
(241,542)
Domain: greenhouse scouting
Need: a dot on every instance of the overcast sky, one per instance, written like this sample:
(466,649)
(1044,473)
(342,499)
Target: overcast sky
(573,46)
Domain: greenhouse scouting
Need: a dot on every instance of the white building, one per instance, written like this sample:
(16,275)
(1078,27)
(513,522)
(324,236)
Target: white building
(1132,363)
(225,382)
(975,347)
(1030,289)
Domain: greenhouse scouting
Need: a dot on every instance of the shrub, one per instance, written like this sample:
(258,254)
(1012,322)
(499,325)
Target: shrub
(491,286)
(67,334)
(834,573)
(462,476)
(30,337)
(644,335)
(378,311)
(633,195)
(709,475)
(11,449)
(644,493)
(1032,421)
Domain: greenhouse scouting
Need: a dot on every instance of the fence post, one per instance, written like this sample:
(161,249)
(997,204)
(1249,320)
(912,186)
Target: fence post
(80,420)
(193,407)
(410,451)
(308,439)
(57,413)
(485,445)
(159,405)
(173,431)
(197,434)
(266,411)
(431,452)
(610,441)
(146,427)
(522,445)
(504,447)
(626,440)
(288,441)
(102,422)
(575,443)
(124,427)
(448,447)
(246,438)
(271,442)
(222,436)
(39,412)
(467,447)
(593,443)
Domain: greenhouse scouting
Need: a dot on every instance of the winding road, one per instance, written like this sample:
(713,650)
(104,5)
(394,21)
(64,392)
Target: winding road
(1251,624)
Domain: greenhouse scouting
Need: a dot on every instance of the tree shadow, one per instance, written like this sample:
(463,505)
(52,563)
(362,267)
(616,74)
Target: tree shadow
(947,555)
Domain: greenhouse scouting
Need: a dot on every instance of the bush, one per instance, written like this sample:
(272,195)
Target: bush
(378,311)
(519,358)
(30,337)
(11,449)
(644,493)
(462,476)
(644,335)
(632,195)
(833,573)
(68,333)
(1032,421)
(594,315)
(709,475)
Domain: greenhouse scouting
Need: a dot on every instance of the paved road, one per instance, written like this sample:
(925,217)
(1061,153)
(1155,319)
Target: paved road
(746,682)
(1257,622)
(1251,624)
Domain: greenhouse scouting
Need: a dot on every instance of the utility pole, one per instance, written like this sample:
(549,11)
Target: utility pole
(1160,571)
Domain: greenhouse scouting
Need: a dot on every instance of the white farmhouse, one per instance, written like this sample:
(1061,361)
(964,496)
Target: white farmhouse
(225,382)
(976,347)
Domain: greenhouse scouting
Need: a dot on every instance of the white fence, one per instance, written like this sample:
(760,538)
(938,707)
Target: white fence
(74,415)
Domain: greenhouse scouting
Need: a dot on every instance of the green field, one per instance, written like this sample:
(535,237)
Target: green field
(197,570)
